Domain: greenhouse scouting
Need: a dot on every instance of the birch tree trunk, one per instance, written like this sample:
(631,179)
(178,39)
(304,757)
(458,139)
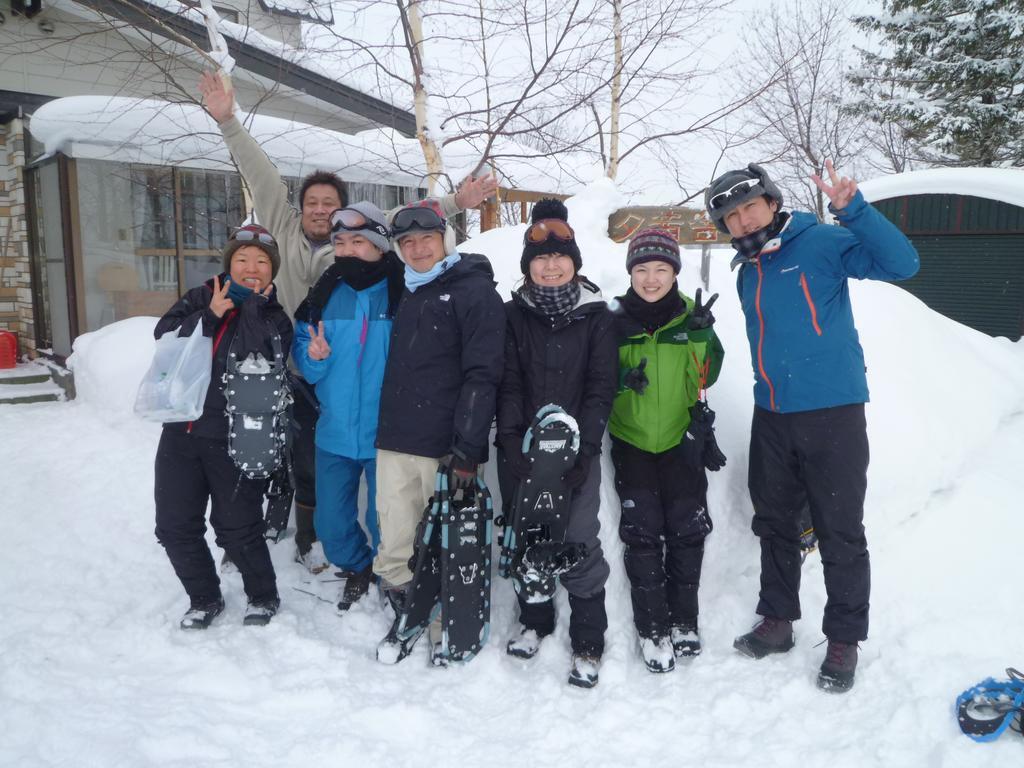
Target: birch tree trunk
(616,92)
(413,28)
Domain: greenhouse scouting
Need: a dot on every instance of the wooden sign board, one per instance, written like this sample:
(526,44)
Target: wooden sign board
(691,226)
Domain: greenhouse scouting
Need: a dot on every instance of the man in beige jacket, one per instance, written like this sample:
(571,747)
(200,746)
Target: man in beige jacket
(304,239)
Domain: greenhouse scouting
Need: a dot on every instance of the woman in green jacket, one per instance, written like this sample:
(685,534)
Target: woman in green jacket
(662,442)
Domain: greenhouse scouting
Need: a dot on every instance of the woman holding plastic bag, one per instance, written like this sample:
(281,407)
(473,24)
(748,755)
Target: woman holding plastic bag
(238,310)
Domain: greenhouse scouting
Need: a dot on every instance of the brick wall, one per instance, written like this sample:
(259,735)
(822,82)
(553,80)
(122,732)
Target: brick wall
(15,280)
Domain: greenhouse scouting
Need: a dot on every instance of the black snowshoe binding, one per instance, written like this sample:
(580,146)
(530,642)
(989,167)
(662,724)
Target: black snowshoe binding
(990,707)
(451,569)
(257,395)
(280,493)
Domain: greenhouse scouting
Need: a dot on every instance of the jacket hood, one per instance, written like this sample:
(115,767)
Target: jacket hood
(474,264)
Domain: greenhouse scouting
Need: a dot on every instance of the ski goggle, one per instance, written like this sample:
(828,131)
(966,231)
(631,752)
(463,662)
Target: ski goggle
(540,231)
(421,217)
(351,220)
(735,192)
(248,235)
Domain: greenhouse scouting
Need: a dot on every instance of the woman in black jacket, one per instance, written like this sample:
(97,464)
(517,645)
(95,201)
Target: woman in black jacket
(239,311)
(560,348)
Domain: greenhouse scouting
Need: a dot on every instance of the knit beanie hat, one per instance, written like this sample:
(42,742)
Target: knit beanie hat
(653,244)
(376,229)
(252,234)
(549,208)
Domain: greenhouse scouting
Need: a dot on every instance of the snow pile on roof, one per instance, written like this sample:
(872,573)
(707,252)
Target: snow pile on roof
(1004,184)
(313,10)
(120,129)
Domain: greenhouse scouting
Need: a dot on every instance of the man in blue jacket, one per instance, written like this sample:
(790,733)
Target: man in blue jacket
(342,333)
(808,441)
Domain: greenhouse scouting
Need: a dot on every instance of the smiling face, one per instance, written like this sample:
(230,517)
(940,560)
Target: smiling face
(652,280)
(551,269)
(354,244)
(251,267)
(750,216)
(318,203)
(422,250)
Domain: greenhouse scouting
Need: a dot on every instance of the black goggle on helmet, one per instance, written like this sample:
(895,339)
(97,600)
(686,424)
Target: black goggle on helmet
(733,188)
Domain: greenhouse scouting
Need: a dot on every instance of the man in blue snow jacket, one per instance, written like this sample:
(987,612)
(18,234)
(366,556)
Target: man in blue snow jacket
(808,441)
(342,333)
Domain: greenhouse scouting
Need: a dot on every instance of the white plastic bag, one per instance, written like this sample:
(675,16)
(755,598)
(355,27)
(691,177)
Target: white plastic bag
(174,387)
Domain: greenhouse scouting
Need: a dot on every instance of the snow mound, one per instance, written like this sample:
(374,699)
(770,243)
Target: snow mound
(109,363)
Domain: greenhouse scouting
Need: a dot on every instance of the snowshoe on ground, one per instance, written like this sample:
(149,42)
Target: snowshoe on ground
(987,709)
(202,613)
(685,640)
(768,636)
(583,670)
(258,613)
(837,671)
(397,645)
(657,654)
(227,565)
(356,587)
(313,559)
(525,644)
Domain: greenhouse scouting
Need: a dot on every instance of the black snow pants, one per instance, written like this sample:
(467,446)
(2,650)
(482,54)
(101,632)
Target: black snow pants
(305,412)
(663,526)
(585,582)
(817,460)
(191,470)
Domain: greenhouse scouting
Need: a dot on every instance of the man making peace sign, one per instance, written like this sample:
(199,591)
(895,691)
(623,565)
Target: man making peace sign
(808,440)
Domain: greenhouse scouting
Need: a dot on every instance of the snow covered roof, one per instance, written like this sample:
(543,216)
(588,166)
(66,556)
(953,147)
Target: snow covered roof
(1003,184)
(121,129)
(313,10)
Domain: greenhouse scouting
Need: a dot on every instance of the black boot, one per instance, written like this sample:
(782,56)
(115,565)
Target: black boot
(837,671)
(587,624)
(202,612)
(259,612)
(356,586)
(392,649)
(769,636)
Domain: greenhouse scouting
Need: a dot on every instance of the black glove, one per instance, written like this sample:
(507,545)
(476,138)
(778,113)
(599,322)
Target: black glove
(635,378)
(461,472)
(700,316)
(700,446)
(577,474)
(516,462)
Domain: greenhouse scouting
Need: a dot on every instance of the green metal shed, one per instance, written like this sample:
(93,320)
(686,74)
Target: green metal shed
(968,226)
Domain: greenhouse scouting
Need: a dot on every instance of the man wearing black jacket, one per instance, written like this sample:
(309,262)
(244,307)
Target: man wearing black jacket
(440,386)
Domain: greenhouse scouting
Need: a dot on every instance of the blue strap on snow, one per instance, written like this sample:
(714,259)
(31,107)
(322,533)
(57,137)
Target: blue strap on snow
(990,707)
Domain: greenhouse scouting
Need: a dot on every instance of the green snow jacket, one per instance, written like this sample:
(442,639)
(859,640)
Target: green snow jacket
(679,363)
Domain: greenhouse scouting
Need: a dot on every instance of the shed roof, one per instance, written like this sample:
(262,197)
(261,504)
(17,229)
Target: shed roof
(1003,184)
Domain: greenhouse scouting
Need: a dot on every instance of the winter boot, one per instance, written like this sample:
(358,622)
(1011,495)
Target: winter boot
(583,672)
(313,558)
(685,640)
(768,636)
(202,613)
(393,649)
(658,654)
(258,613)
(836,674)
(356,586)
(525,644)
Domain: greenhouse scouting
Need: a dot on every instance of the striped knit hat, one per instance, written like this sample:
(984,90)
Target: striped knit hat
(653,244)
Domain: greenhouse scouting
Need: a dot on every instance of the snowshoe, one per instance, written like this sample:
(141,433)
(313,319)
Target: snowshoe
(279,503)
(438,656)
(397,645)
(356,587)
(658,654)
(258,613)
(541,564)
(768,636)
(202,613)
(257,394)
(837,671)
(685,640)
(987,709)
(525,644)
(583,670)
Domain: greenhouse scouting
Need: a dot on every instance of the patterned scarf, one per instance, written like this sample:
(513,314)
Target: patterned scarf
(749,246)
(554,300)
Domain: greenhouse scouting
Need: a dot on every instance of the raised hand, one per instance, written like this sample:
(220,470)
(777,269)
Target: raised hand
(220,99)
(841,190)
(220,303)
(700,316)
(472,192)
(319,349)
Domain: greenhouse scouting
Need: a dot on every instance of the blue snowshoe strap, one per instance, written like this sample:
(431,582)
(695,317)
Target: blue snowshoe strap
(990,707)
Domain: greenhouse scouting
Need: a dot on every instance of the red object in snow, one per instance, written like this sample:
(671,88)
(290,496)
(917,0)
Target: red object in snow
(8,350)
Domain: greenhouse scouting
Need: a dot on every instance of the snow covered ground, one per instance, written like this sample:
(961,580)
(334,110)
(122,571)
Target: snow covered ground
(95,672)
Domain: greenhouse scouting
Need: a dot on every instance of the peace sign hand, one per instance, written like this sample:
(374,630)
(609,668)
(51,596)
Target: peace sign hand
(842,190)
(700,316)
(220,303)
(319,349)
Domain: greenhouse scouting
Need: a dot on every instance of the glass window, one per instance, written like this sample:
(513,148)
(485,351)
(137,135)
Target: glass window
(211,206)
(129,256)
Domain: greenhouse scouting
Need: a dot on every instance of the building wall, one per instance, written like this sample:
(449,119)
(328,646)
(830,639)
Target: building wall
(15,282)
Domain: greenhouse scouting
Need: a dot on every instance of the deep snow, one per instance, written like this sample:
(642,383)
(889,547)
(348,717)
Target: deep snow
(95,672)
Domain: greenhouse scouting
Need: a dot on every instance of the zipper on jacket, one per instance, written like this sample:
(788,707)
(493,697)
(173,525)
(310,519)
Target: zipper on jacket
(760,340)
(810,303)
